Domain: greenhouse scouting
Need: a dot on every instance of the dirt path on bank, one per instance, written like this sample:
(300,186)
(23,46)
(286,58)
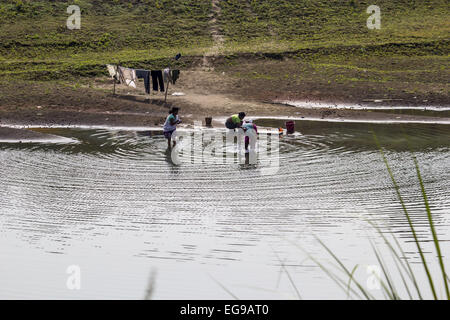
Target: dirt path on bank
(216,35)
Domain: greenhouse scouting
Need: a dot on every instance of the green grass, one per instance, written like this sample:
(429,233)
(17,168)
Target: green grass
(39,29)
(263,25)
(34,40)
(35,43)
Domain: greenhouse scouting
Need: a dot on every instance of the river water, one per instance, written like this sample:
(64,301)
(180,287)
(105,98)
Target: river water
(115,206)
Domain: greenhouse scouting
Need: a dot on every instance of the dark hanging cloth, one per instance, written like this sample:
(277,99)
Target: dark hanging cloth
(157,76)
(175,75)
(144,74)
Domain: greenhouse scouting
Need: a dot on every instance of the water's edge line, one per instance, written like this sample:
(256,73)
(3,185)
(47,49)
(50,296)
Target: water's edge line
(343,106)
(445,122)
(222,119)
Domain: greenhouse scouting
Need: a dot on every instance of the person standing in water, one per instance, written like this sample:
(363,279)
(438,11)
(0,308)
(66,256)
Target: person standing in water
(235,121)
(250,133)
(171,125)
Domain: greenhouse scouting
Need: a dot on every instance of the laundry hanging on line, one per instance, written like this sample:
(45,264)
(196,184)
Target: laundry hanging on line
(129,77)
(144,74)
(175,75)
(157,77)
(112,70)
(167,76)
(171,75)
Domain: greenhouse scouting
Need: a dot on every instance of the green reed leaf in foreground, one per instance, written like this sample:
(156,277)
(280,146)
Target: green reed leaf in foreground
(224,288)
(403,278)
(429,216)
(350,280)
(360,287)
(389,291)
(433,230)
(283,267)
(341,283)
(403,263)
(411,226)
(399,257)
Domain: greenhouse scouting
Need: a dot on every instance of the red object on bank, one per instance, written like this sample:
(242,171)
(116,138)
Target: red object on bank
(290,127)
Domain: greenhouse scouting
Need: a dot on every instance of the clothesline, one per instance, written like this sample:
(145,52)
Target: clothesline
(158,78)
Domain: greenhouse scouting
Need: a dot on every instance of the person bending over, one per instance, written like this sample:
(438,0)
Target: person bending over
(235,121)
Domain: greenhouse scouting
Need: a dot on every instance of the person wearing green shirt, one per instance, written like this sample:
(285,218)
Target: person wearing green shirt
(235,121)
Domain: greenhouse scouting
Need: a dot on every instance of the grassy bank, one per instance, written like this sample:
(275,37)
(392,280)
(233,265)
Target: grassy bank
(286,25)
(288,49)
(356,77)
(35,43)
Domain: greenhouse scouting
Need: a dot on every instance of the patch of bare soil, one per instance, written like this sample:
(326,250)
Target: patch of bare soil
(293,79)
(206,93)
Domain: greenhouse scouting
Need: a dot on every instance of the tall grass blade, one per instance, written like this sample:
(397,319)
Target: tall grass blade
(433,230)
(350,280)
(283,267)
(429,216)
(225,288)
(360,287)
(403,263)
(151,285)
(289,277)
(341,283)
(391,291)
(411,226)
(411,272)
(405,284)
